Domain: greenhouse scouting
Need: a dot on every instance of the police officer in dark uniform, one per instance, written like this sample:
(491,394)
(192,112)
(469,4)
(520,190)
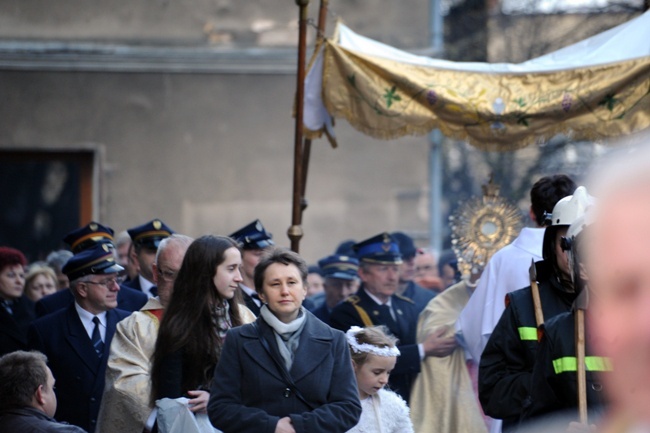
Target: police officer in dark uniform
(376,303)
(79,240)
(554,381)
(407,286)
(341,279)
(506,366)
(76,339)
(146,239)
(253,240)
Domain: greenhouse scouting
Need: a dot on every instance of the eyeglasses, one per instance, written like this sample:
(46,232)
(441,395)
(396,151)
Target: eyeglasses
(110,282)
(169,276)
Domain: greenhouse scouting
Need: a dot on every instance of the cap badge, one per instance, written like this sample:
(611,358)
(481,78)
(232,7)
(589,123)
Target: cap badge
(344,258)
(93,227)
(386,244)
(157,224)
(258,226)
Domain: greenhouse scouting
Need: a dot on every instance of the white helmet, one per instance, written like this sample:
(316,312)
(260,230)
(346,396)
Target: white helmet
(571,207)
(582,222)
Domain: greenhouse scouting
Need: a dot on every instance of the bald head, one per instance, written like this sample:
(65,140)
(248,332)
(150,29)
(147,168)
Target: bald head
(169,259)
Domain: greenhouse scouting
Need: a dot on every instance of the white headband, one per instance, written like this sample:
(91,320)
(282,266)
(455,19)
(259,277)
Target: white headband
(351,335)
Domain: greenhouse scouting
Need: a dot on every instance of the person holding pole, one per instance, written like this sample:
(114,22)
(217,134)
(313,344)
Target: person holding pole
(565,373)
(507,362)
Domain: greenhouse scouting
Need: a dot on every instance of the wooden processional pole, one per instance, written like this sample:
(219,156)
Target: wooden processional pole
(295,231)
(302,151)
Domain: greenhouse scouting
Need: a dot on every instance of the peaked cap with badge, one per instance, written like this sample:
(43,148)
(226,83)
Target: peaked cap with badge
(405,244)
(339,266)
(89,235)
(150,234)
(380,249)
(253,236)
(98,260)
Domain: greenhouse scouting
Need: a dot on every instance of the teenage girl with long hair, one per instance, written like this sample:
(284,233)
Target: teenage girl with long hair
(205,303)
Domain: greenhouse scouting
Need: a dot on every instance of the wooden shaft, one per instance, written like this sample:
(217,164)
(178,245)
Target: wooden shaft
(295,231)
(537,302)
(322,22)
(322,17)
(305,171)
(580,362)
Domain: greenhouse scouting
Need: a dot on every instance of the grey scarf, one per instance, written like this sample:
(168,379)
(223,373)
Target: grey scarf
(287,335)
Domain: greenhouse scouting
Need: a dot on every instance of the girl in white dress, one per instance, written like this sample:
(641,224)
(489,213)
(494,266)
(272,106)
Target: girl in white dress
(374,356)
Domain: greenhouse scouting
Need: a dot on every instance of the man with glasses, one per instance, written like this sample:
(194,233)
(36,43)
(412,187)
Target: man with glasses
(76,339)
(78,240)
(126,401)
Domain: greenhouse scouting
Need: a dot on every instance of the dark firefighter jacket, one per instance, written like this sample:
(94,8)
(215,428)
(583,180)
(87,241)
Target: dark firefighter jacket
(554,380)
(507,362)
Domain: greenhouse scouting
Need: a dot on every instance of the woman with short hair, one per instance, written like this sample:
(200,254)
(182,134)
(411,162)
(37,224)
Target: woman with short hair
(287,372)
(40,281)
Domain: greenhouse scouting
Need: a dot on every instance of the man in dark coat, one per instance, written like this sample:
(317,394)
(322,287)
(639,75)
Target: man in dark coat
(76,339)
(253,240)
(376,303)
(146,239)
(27,398)
(407,286)
(79,240)
(341,279)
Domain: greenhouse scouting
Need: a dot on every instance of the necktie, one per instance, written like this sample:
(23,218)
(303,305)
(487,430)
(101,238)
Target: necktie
(257,299)
(387,315)
(154,290)
(98,344)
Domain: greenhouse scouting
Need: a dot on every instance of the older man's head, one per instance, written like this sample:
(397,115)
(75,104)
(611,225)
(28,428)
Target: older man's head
(618,270)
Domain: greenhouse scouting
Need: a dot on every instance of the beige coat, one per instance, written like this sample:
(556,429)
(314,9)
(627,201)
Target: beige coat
(442,398)
(125,404)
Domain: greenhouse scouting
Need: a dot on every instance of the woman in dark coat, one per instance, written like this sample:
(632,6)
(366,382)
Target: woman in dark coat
(16,311)
(287,372)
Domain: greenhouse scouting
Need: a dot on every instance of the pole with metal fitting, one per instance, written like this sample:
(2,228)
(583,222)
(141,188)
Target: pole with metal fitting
(295,231)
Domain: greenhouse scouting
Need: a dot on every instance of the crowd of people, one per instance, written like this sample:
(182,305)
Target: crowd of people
(379,336)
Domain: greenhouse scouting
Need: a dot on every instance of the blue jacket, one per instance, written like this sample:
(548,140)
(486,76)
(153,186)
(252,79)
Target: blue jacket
(249,393)
(323,313)
(78,371)
(418,295)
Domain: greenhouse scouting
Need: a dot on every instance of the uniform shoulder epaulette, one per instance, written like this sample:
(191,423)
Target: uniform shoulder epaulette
(354,299)
(404,298)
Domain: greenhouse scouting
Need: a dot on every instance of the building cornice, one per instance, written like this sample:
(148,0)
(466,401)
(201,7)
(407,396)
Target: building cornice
(101,57)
